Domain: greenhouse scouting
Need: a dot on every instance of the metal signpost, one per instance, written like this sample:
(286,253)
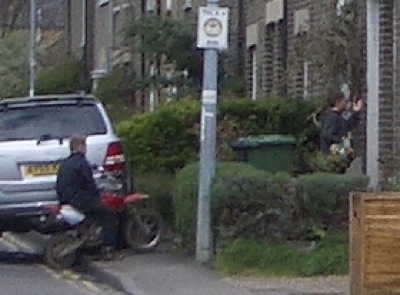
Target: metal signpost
(32,43)
(212,35)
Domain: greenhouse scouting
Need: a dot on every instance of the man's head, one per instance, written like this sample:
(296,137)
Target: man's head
(77,144)
(337,101)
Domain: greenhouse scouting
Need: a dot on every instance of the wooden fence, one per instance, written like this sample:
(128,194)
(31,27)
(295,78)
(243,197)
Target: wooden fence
(375,244)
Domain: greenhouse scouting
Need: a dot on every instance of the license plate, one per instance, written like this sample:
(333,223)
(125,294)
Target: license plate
(38,170)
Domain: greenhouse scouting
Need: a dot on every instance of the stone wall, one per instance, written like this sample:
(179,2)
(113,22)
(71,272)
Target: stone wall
(266,43)
(386,98)
(396,84)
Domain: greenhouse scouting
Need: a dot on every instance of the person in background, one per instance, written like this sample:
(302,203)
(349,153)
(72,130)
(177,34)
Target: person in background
(335,128)
(76,187)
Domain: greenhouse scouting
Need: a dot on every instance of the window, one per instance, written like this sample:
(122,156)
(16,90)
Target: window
(61,120)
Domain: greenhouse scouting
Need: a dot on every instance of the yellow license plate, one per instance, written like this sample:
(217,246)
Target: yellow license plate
(40,170)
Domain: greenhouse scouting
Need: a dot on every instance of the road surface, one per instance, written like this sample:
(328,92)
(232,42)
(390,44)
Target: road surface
(23,273)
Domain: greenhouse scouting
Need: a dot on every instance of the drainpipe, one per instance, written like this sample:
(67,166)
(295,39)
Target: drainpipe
(84,45)
(241,40)
(68,27)
(285,45)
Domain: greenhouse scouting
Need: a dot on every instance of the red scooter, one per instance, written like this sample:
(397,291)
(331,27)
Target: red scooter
(140,227)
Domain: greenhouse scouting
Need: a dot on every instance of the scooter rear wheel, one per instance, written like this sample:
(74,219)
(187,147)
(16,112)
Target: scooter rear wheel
(145,237)
(54,247)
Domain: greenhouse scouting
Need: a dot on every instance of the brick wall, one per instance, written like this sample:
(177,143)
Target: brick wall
(386,134)
(254,14)
(269,51)
(314,81)
(396,84)
(295,72)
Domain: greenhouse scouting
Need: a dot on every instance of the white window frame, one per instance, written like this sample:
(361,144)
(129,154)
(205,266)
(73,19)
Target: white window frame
(168,5)
(306,71)
(254,73)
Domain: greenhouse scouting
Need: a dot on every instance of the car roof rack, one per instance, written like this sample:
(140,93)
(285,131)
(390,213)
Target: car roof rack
(79,97)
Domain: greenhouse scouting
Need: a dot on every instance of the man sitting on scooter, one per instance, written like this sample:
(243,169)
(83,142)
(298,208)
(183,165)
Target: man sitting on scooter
(76,187)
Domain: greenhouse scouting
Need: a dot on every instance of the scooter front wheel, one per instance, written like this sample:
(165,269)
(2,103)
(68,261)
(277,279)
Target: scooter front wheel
(53,253)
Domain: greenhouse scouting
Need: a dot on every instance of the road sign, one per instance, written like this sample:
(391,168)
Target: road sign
(213,27)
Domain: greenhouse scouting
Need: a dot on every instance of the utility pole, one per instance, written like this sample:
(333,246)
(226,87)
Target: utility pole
(32,43)
(212,36)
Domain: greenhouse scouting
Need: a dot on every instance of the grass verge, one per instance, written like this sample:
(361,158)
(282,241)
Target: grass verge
(261,258)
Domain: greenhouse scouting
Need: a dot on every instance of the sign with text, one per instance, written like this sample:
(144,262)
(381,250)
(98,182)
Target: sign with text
(213,28)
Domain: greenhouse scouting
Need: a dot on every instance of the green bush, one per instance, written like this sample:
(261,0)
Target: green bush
(270,116)
(159,186)
(324,197)
(320,162)
(246,202)
(252,204)
(167,139)
(163,140)
(61,79)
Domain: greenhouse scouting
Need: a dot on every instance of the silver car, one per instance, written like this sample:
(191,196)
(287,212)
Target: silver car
(34,139)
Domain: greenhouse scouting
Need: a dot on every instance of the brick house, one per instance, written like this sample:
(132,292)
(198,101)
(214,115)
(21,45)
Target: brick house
(263,39)
(379,135)
(276,30)
(96,30)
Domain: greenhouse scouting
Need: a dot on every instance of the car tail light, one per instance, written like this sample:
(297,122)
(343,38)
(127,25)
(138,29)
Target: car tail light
(115,159)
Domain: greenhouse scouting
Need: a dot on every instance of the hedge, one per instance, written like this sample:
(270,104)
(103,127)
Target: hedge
(249,203)
(163,140)
(159,186)
(324,196)
(244,202)
(167,139)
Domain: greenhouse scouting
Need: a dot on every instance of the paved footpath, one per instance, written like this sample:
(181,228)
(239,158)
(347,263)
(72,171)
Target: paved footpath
(167,274)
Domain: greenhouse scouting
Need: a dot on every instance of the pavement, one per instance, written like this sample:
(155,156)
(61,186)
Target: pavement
(163,273)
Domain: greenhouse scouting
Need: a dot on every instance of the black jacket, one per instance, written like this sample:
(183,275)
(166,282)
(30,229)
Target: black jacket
(335,127)
(75,180)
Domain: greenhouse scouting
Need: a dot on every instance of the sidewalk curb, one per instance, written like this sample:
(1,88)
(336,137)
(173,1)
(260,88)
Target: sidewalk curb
(108,277)
(118,282)
(33,242)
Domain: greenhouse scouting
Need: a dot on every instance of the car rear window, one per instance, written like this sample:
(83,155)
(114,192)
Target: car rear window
(25,123)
